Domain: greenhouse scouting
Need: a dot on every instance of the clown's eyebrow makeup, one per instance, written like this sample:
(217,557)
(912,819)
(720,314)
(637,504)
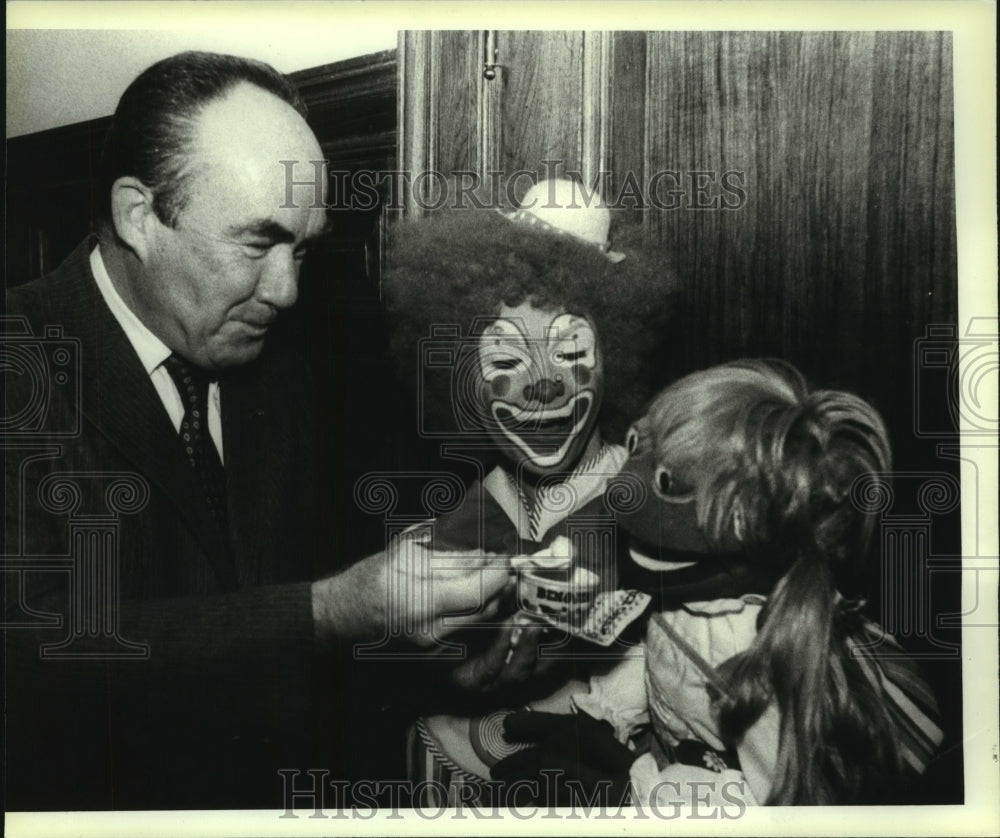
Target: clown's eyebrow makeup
(572,339)
(563,327)
(504,334)
(568,337)
(503,347)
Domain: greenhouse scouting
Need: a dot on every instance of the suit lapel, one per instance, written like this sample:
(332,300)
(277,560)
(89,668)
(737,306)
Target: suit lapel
(119,400)
(256,440)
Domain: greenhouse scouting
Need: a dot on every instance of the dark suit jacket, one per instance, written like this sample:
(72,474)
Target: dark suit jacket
(221,703)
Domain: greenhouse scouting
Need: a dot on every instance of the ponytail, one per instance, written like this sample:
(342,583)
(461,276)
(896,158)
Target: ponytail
(836,739)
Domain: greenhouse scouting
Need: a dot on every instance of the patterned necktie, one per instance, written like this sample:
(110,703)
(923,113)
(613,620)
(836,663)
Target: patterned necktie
(192,384)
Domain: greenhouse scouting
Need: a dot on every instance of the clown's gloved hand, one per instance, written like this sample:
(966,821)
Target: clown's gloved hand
(575,757)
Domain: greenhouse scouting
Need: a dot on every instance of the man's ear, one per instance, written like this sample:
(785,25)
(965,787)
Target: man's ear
(132,214)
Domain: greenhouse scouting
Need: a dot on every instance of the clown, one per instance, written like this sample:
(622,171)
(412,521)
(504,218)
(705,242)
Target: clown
(551,333)
(761,682)
(543,379)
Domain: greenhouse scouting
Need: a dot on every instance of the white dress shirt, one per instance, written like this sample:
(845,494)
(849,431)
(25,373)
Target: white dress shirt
(152,353)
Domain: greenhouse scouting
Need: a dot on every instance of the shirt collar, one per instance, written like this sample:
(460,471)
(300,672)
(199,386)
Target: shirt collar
(581,486)
(151,350)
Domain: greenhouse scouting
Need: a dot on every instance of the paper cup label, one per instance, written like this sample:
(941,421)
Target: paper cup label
(566,599)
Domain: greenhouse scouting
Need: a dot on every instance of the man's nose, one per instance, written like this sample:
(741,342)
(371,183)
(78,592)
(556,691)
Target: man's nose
(543,391)
(279,283)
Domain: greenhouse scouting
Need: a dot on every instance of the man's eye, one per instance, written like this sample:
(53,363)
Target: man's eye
(632,440)
(505,363)
(257,250)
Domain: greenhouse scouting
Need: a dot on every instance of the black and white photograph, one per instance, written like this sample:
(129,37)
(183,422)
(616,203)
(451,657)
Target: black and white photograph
(412,426)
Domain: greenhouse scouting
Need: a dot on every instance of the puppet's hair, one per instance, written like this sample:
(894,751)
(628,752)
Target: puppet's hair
(458,266)
(782,465)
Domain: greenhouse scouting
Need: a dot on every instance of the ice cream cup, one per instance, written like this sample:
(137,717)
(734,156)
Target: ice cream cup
(560,596)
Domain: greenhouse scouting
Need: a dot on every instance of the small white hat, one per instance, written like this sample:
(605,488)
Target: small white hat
(562,206)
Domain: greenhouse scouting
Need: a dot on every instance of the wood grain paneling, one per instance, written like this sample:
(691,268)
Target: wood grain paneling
(845,248)
(51,196)
(352,109)
(458,73)
(627,149)
(542,101)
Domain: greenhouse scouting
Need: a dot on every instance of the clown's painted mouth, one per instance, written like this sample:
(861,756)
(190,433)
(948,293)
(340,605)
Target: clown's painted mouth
(544,435)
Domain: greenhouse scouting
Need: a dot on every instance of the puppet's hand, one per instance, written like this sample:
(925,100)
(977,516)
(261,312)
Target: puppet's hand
(575,758)
(511,658)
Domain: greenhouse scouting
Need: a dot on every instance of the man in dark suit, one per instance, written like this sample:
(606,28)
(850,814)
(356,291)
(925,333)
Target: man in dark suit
(161,622)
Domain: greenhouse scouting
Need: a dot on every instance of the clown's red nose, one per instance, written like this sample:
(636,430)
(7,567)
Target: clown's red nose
(543,391)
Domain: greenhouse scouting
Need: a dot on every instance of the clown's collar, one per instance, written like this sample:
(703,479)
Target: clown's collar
(554,497)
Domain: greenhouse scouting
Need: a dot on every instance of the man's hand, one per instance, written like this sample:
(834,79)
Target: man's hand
(578,754)
(404,591)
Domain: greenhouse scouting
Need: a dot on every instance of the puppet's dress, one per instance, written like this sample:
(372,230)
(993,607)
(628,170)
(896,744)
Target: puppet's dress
(671,688)
(448,750)
(668,684)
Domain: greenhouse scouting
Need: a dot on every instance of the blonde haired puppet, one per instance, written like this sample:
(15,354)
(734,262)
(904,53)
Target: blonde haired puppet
(759,681)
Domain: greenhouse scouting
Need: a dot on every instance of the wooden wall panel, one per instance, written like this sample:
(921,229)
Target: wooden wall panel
(691,78)
(457,76)
(532,111)
(627,142)
(844,250)
(352,110)
(51,196)
(542,100)
(911,227)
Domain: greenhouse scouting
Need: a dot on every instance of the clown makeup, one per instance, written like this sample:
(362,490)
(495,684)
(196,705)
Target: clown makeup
(542,380)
